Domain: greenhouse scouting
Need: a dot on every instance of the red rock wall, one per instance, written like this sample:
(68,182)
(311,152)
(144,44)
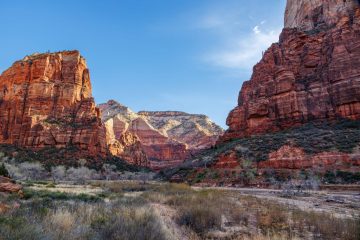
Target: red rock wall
(313,73)
(45,100)
(289,157)
(165,138)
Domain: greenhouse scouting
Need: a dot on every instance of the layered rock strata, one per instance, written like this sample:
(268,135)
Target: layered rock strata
(300,110)
(312,73)
(46,101)
(164,138)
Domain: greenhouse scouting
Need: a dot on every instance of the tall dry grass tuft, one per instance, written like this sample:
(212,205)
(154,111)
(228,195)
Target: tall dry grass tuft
(62,220)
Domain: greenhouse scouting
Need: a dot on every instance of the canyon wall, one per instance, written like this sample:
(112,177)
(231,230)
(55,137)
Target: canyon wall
(159,139)
(312,73)
(300,111)
(46,101)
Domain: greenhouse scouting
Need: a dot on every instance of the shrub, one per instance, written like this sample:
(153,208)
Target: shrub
(200,218)
(3,171)
(329,177)
(348,177)
(54,195)
(128,223)
(17,227)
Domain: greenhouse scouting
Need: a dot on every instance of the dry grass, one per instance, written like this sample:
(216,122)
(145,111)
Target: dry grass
(123,219)
(61,219)
(202,211)
(205,213)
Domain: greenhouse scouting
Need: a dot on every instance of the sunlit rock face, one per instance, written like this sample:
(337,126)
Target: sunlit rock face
(312,73)
(164,138)
(307,15)
(46,101)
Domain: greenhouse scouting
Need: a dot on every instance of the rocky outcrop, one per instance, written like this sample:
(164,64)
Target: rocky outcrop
(312,73)
(292,157)
(46,101)
(8,186)
(164,138)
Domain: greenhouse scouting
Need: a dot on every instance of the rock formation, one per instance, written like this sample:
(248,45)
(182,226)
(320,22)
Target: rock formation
(290,157)
(300,111)
(307,15)
(9,186)
(312,73)
(164,138)
(46,101)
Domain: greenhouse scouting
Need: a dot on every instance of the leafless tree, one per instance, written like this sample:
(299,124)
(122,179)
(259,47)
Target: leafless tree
(58,173)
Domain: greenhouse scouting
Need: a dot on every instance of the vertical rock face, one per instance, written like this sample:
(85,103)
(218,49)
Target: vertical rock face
(300,111)
(306,15)
(312,73)
(46,101)
(164,138)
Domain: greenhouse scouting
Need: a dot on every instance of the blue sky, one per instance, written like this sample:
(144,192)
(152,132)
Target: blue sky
(186,55)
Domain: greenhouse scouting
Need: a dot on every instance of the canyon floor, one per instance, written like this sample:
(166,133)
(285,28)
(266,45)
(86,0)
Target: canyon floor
(159,210)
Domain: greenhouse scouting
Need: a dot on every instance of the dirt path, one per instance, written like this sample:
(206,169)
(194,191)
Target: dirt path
(339,204)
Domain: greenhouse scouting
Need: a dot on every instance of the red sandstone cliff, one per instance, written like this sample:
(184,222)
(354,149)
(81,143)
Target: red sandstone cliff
(301,108)
(312,73)
(46,101)
(164,138)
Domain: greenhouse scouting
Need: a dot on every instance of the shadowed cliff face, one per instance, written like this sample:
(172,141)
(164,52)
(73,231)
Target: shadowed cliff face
(46,101)
(164,138)
(312,73)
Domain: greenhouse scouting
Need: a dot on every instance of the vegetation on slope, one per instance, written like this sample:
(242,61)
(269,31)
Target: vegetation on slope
(51,156)
(313,138)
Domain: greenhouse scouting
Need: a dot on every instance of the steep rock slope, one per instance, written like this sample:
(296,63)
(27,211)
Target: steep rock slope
(46,101)
(164,138)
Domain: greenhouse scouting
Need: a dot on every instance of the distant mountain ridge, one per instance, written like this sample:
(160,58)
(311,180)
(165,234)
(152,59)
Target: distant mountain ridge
(166,137)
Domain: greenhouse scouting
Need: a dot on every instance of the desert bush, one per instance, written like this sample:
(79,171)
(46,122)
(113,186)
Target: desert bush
(248,172)
(341,177)
(173,189)
(42,218)
(26,170)
(123,186)
(348,177)
(327,226)
(128,223)
(199,218)
(201,211)
(58,173)
(81,175)
(3,171)
(55,195)
(9,228)
(272,220)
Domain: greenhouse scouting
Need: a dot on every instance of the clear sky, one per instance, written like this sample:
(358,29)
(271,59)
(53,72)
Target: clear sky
(186,55)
